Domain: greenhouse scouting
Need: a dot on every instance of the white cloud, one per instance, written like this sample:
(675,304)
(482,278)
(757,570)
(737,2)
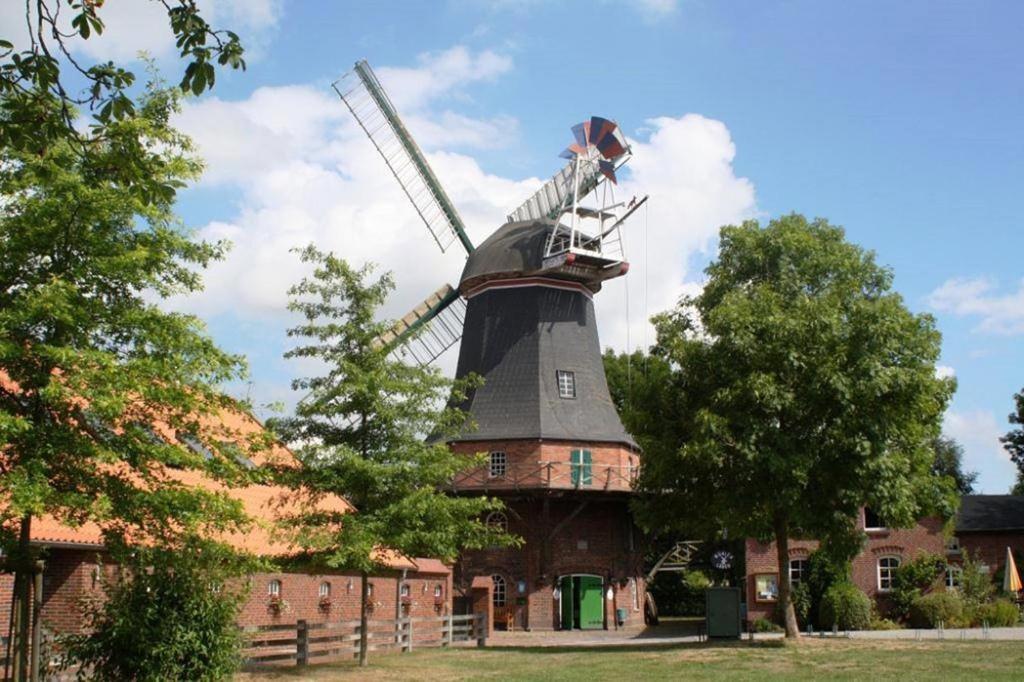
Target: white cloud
(655,9)
(978,432)
(999,313)
(944,372)
(131,26)
(440,73)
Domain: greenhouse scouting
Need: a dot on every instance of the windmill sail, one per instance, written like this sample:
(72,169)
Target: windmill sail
(429,329)
(555,196)
(365,98)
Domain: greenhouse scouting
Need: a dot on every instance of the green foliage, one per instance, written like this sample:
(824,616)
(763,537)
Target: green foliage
(975,587)
(914,578)
(1018,486)
(1013,441)
(165,617)
(39,105)
(949,456)
(680,594)
(1000,613)
(810,391)
(883,624)
(843,605)
(928,610)
(764,625)
(801,598)
(92,358)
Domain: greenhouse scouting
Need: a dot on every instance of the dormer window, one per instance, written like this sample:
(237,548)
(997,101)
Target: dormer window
(872,521)
(566,383)
(497,464)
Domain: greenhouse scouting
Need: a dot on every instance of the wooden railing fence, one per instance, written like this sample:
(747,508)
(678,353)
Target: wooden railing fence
(303,642)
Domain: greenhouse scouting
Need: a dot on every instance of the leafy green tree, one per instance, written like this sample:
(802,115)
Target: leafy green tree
(949,461)
(915,578)
(89,360)
(812,393)
(165,616)
(360,432)
(1014,442)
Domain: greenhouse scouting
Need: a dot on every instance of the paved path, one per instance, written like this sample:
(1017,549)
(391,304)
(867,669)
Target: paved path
(686,634)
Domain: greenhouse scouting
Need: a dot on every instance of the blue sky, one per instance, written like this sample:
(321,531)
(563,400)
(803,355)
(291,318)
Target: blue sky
(900,121)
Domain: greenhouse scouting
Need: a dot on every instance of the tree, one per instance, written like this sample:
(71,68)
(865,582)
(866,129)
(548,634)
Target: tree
(949,458)
(88,361)
(360,434)
(1014,442)
(164,616)
(812,392)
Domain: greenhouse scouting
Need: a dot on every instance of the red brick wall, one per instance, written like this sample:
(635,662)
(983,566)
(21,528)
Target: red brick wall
(905,543)
(990,548)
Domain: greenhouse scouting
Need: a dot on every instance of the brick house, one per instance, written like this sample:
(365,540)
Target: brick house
(75,560)
(884,551)
(985,526)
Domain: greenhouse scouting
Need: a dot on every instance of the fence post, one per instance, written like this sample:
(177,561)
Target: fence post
(481,630)
(302,643)
(408,634)
(449,634)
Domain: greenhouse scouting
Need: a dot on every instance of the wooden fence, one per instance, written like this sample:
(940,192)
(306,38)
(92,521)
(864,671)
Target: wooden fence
(303,642)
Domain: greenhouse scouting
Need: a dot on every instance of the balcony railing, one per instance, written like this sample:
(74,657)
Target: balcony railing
(555,475)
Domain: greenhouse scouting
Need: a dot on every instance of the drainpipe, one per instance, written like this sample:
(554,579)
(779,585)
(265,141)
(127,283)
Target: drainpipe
(398,605)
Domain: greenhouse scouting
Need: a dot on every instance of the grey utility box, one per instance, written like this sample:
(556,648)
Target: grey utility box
(723,612)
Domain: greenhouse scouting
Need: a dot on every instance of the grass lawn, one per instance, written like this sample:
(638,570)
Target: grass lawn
(811,659)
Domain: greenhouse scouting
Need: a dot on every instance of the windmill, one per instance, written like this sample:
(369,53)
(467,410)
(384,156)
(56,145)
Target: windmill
(523,311)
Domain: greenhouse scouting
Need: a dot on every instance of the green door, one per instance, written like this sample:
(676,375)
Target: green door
(565,588)
(591,603)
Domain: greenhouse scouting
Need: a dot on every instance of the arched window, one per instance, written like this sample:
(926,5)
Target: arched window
(798,571)
(497,521)
(497,464)
(887,566)
(274,588)
(325,590)
(500,592)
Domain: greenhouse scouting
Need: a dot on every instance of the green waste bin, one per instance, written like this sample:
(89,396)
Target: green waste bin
(620,616)
(723,612)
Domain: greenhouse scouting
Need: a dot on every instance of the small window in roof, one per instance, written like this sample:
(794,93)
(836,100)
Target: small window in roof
(566,383)
(194,444)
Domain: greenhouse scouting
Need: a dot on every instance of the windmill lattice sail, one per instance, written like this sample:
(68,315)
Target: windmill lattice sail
(365,98)
(429,329)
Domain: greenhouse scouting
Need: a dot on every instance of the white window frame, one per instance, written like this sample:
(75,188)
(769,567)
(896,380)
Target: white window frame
(802,571)
(497,464)
(889,571)
(566,380)
(324,591)
(274,587)
(871,529)
(499,596)
(438,591)
(404,590)
(953,575)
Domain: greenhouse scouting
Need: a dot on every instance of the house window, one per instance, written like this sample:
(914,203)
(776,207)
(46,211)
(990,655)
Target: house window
(274,588)
(325,590)
(634,593)
(500,594)
(566,384)
(404,590)
(798,569)
(438,591)
(887,566)
(953,574)
(872,521)
(766,587)
(498,464)
(195,445)
(497,521)
(580,468)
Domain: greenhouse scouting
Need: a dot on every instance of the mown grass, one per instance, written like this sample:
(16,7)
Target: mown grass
(811,659)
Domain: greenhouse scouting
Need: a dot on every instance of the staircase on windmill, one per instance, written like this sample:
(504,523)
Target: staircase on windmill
(523,313)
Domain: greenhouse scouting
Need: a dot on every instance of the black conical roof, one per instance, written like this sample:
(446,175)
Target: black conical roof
(513,250)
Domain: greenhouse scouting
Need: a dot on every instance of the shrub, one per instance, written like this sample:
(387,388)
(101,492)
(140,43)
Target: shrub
(975,587)
(824,570)
(170,616)
(999,614)
(801,597)
(884,624)
(764,625)
(843,605)
(929,610)
(914,578)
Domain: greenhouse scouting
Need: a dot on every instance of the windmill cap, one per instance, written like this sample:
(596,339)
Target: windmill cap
(516,249)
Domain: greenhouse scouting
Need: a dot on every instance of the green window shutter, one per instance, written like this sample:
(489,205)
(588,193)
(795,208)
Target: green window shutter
(587,478)
(575,467)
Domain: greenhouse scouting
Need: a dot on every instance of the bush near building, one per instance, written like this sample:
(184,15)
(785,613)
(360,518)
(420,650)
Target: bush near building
(844,606)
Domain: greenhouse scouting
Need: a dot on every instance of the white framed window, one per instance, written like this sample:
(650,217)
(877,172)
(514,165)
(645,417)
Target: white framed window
(953,575)
(274,588)
(887,566)
(798,569)
(404,590)
(500,595)
(497,464)
(438,591)
(369,590)
(498,521)
(566,383)
(325,590)
(872,521)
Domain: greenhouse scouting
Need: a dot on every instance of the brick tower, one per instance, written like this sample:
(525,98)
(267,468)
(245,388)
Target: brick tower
(558,454)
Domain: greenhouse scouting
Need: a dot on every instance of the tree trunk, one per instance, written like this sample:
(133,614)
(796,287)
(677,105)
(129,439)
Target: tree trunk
(785,593)
(363,630)
(22,598)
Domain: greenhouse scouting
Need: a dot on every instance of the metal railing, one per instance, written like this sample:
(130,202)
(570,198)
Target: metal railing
(562,475)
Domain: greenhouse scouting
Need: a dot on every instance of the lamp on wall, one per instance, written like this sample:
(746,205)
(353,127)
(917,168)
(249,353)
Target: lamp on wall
(348,587)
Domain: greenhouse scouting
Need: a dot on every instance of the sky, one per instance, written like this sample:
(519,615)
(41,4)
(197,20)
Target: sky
(899,121)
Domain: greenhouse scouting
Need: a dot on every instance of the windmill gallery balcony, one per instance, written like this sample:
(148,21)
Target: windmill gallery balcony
(518,465)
